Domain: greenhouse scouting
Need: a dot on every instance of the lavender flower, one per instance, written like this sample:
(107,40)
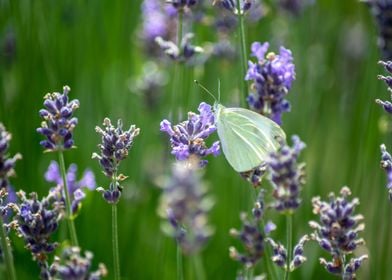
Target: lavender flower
(75,187)
(187,138)
(272,78)
(72,265)
(231,5)
(251,235)
(5,208)
(7,163)
(382,11)
(279,256)
(114,148)
(36,220)
(185,204)
(337,232)
(287,176)
(182,53)
(58,124)
(386,164)
(255,175)
(158,21)
(387,105)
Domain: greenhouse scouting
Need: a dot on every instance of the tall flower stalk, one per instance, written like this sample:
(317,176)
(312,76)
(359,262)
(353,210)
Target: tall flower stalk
(114,147)
(57,126)
(7,165)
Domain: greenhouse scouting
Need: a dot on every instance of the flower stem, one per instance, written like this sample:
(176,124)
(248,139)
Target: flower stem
(199,267)
(180,268)
(289,234)
(9,262)
(68,205)
(244,58)
(116,258)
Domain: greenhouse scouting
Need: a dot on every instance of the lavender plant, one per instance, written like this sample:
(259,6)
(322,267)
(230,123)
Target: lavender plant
(114,147)
(187,138)
(7,165)
(272,77)
(75,188)
(57,126)
(381,10)
(185,203)
(35,221)
(287,176)
(252,235)
(386,159)
(337,232)
(72,265)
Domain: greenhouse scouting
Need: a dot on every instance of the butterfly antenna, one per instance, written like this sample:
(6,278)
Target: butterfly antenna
(205,89)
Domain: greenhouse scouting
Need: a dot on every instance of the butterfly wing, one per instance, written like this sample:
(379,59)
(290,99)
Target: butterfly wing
(247,137)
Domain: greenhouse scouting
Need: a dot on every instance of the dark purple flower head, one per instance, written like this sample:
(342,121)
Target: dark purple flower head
(37,220)
(279,255)
(187,138)
(272,76)
(386,164)
(182,53)
(73,266)
(382,12)
(231,5)
(185,204)
(58,124)
(338,230)
(7,163)
(251,235)
(75,187)
(287,176)
(115,145)
(387,105)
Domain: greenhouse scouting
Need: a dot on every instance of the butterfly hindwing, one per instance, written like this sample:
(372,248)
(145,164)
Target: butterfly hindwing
(246,137)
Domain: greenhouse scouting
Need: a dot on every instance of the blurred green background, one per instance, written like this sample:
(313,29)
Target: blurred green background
(94,47)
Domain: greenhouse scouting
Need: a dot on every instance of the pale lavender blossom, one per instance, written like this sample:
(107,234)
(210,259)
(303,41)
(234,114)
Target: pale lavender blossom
(272,76)
(75,187)
(185,204)
(187,138)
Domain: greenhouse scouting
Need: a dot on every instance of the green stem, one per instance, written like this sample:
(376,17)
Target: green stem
(289,234)
(9,262)
(68,205)
(199,267)
(116,258)
(249,273)
(244,58)
(180,268)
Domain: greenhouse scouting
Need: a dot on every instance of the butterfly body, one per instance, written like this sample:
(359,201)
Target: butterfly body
(247,138)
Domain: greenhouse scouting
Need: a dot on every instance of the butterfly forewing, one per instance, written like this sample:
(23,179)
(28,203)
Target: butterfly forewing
(247,137)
